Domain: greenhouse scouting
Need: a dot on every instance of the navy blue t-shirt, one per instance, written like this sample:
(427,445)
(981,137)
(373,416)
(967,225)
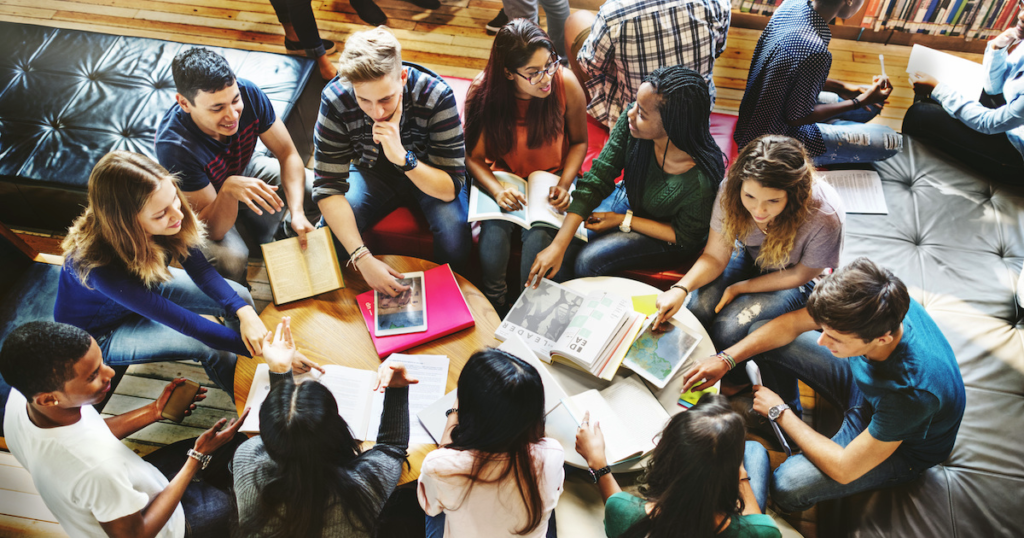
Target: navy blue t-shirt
(198,158)
(917,393)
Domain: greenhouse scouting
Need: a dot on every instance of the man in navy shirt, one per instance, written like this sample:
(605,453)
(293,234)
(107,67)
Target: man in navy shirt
(789,92)
(209,139)
(878,357)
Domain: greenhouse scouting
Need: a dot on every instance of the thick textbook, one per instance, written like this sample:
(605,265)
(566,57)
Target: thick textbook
(537,211)
(590,332)
(297,274)
(447,311)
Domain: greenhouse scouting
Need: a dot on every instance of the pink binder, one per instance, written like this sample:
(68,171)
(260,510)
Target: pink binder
(447,312)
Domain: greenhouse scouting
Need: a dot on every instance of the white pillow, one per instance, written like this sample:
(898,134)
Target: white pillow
(1020,289)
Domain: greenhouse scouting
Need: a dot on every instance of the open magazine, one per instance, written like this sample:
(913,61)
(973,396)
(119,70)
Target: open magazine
(537,211)
(590,332)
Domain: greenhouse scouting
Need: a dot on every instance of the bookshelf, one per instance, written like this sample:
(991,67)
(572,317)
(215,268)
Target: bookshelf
(983,19)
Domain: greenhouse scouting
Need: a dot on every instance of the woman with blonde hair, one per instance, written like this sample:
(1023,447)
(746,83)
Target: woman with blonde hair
(773,229)
(117,285)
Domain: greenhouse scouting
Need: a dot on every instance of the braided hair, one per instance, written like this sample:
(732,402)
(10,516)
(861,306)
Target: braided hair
(685,107)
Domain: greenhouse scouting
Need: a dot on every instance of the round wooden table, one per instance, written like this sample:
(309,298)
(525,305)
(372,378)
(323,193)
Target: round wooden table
(329,329)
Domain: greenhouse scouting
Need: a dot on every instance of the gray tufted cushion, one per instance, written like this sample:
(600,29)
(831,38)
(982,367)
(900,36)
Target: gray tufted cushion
(958,243)
(68,97)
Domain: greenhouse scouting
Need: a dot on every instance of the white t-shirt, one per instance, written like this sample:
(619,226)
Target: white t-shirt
(85,474)
(490,509)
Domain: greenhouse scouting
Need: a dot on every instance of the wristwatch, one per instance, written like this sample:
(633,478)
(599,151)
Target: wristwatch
(596,474)
(410,161)
(775,412)
(203,459)
(624,227)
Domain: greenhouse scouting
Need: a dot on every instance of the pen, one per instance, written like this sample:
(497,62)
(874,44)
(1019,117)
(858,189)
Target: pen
(881,59)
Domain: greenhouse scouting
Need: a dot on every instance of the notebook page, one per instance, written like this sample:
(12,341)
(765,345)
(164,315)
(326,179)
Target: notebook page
(432,373)
(638,408)
(352,389)
(620,442)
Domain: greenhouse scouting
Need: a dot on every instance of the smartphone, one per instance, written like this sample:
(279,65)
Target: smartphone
(180,400)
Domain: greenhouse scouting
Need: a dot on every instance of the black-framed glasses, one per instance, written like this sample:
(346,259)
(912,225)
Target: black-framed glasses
(550,69)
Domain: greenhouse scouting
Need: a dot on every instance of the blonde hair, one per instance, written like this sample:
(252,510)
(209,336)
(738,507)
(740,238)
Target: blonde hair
(370,55)
(109,230)
(776,162)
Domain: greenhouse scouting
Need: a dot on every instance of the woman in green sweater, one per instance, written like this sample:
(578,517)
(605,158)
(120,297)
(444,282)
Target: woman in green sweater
(697,483)
(659,214)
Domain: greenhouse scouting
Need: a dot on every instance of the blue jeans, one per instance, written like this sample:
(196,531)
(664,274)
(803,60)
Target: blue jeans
(733,322)
(230,255)
(495,247)
(208,501)
(435,526)
(139,340)
(850,139)
(759,469)
(375,192)
(605,252)
(798,484)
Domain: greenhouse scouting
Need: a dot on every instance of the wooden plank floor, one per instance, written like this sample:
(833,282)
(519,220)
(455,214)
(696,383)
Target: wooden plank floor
(450,40)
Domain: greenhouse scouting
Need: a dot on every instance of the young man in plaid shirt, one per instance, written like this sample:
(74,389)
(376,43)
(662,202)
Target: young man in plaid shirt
(613,51)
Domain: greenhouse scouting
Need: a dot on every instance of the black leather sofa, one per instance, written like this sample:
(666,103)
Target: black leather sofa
(68,97)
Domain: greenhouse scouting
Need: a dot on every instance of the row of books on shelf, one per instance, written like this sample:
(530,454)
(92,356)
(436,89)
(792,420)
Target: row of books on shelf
(973,19)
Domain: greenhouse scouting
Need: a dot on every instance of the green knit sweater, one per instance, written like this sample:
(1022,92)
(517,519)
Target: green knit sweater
(682,200)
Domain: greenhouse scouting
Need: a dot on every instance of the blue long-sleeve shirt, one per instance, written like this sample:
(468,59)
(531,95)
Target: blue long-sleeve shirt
(1004,74)
(116,295)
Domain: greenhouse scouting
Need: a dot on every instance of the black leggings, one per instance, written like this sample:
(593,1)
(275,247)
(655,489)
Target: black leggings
(300,14)
(992,155)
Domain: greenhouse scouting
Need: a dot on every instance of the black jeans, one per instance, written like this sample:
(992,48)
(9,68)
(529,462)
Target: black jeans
(992,155)
(208,502)
(300,14)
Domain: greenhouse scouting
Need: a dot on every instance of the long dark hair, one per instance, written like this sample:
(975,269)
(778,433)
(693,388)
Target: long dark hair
(312,450)
(491,105)
(501,414)
(685,109)
(694,473)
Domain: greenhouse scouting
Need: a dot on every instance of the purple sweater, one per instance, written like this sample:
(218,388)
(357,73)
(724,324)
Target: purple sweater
(116,295)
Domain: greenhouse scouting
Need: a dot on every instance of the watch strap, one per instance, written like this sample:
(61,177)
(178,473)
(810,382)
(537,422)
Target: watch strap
(203,459)
(627,222)
(596,474)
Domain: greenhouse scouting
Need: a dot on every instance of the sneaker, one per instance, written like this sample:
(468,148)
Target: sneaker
(369,12)
(426,4)
(497,22)
(294,48)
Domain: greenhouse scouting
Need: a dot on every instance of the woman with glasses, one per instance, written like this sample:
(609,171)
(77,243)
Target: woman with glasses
(658,216)
(525,116)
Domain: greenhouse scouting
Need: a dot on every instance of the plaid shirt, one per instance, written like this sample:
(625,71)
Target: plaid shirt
(631,38)
(343,135)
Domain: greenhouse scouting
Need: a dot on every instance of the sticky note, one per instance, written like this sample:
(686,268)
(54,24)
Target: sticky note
(645,304)
(689,398)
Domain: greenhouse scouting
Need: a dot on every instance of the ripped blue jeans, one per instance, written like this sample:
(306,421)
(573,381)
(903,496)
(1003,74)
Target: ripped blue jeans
(733,323)
(850,139)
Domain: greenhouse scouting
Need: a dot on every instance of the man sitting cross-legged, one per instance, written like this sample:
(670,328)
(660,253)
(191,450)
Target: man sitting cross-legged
(93,483)
(208,138)
(389,134)
(876,355)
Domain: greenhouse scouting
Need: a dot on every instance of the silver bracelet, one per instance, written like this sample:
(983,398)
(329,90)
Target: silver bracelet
(203,459)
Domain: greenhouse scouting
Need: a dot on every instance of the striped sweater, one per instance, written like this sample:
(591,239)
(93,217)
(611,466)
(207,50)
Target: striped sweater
(430,127)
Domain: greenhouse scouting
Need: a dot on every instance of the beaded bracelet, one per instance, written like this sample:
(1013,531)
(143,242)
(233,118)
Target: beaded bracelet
(728,359)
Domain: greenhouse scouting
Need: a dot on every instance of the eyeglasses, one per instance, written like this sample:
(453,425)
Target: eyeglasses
(550,69)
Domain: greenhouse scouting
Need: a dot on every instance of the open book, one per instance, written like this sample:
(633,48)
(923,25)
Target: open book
(358,403)
(589,332)
(296,274)
(432,417)
(599,335)
(630,416)
(537,212)
(658,356)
